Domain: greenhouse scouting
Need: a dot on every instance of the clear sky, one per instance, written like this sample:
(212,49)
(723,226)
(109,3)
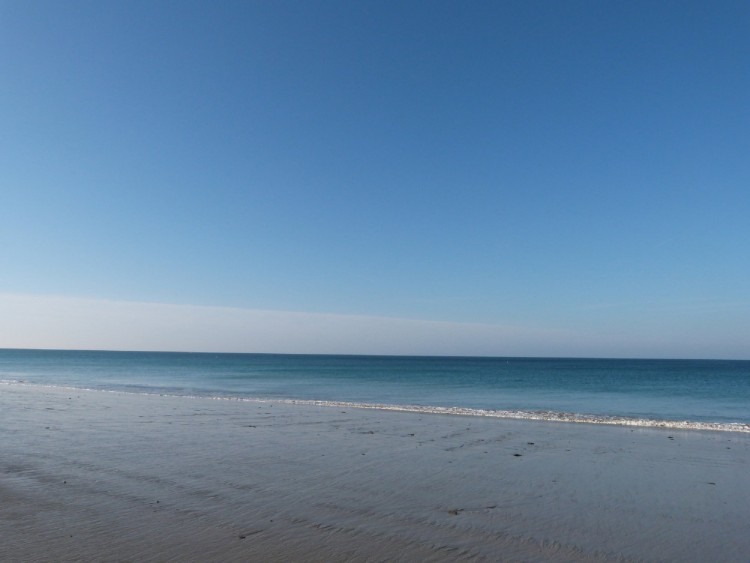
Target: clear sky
(533,177)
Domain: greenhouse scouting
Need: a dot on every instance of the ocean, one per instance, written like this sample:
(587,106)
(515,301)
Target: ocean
(693,394)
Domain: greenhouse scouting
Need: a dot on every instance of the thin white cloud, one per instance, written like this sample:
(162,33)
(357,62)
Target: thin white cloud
(44,321)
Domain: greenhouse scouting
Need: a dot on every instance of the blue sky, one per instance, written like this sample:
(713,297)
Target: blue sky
(542,167)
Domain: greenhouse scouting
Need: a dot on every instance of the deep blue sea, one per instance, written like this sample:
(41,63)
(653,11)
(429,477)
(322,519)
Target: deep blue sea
(647,392)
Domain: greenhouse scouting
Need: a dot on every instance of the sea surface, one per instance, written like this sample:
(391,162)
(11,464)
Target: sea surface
(692,394)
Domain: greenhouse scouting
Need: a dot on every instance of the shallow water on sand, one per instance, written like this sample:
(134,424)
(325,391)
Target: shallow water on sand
(111,476)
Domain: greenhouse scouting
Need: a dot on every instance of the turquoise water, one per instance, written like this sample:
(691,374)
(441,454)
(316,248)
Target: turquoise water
(643,390)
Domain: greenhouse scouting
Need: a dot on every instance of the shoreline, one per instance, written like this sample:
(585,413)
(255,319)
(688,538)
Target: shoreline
(102,476)
(542,416)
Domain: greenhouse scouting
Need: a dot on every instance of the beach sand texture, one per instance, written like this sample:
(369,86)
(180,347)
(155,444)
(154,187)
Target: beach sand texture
(109,476)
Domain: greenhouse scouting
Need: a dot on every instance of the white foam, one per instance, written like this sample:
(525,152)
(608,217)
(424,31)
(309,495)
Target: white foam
(546,416)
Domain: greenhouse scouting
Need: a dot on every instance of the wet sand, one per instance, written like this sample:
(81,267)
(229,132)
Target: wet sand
(103,476)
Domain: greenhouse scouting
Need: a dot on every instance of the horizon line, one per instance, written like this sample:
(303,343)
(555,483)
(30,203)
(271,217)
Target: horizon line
(352,355)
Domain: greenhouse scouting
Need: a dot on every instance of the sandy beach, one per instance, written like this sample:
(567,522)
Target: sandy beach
(109,476)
